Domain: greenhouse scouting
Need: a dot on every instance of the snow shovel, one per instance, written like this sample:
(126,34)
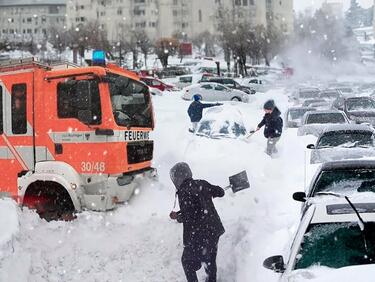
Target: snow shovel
(251,133)
(238,182)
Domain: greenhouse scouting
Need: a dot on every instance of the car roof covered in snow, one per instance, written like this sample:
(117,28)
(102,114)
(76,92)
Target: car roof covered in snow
(6,3)
(301,108)
(353,97)
(324,112)
(348,164)
(347,127)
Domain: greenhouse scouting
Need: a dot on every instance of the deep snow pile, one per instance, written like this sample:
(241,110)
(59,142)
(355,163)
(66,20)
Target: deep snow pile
(137,242)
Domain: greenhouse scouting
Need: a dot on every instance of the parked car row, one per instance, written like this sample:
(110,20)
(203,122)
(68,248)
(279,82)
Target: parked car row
(337,225)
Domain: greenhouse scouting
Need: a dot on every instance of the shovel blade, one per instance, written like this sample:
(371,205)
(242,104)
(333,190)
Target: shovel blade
(239,182)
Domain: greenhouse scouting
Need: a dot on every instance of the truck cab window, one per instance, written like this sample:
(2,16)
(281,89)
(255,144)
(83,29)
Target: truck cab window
(75,96)
(19,118)
(131,103)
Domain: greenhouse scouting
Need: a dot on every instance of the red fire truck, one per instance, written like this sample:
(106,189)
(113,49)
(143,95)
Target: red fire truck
(72,138)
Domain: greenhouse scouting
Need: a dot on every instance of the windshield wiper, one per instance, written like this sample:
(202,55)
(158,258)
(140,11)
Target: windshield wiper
(361,223)
(362,227)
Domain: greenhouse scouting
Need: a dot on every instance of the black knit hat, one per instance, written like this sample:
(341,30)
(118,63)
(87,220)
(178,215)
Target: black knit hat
(269,105)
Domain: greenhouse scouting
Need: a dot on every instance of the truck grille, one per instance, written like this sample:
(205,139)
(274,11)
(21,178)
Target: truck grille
(139,152)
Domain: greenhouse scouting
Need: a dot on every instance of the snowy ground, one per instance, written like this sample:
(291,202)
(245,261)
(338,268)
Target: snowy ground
(138,242)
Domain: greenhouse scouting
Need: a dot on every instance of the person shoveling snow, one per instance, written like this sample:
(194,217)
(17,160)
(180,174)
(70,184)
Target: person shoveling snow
(195,111)
(273,126)
(201,222)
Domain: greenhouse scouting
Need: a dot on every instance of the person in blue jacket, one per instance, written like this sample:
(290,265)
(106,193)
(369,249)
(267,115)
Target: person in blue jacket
(273,126)
(195,111)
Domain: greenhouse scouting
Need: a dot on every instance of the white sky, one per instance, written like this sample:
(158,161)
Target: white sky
(300,5)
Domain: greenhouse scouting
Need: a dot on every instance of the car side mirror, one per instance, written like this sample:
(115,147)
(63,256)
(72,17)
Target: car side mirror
(299,197)
(85,116)
(311,146)
(275,263)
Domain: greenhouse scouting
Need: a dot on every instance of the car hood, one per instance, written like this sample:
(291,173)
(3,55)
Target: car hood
(363,273)
(341,153)
(362,114)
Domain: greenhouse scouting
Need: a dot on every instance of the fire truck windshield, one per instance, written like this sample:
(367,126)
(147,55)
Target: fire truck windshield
(131,102)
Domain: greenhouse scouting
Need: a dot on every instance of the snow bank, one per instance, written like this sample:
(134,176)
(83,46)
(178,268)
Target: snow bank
(9,225)
(363,273)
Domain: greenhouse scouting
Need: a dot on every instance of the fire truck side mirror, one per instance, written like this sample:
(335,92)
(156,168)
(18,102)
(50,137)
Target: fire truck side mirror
(85,116)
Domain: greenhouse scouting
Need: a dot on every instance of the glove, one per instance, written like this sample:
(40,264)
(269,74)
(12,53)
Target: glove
(173,215)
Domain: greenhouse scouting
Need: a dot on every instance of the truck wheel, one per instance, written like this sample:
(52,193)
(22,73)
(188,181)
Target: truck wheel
(236,99)
(50,200)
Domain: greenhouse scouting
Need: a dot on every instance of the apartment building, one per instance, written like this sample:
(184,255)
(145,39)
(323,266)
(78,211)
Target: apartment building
(281,13)
(30,20)
(335,9)
(164,18)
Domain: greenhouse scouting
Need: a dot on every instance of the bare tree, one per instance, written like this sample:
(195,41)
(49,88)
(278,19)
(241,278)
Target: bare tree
(205,43)
(90,35)
(58,37)
(145,44)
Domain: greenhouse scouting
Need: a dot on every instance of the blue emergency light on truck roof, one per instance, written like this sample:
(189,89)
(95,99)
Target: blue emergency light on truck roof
(98,58)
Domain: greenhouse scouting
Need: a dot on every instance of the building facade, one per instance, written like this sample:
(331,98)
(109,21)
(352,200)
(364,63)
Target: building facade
(30,20)
(280,12)
(165,18)
(335,9)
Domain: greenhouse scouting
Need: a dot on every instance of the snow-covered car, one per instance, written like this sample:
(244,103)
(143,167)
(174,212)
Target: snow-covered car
(330,94)
(340,142)
(330,237)
(231,83)
(222,122)
(308,102)
(347,178)
(357,109)
(305,93)
(315,122)
(191,79)
(260,85)
(321,106)
(294,115)
(209,91)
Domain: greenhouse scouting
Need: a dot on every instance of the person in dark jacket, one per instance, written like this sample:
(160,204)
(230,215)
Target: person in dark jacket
(195,111)
(273,126)
(202,226)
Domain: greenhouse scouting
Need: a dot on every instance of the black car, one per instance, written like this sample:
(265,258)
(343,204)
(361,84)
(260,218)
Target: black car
(231,83)
(357,109)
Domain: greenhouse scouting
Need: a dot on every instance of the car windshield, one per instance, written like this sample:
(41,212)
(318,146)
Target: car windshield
(306,94)
(325,118)
(307,103)
(131,102)
(186,79)
(360,105)
(329,94)
(295,114)
(345,182)
(347,139)
(336,245)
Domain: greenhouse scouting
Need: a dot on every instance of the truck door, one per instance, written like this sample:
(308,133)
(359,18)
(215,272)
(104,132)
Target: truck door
(18,127)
